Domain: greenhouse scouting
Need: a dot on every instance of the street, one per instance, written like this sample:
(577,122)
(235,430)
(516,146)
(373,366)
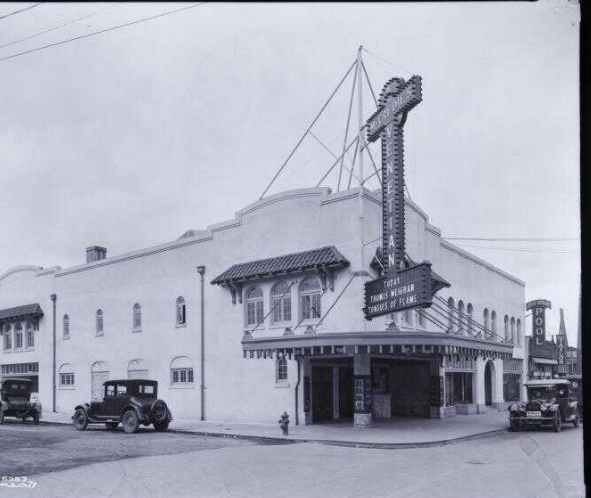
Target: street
(98,463)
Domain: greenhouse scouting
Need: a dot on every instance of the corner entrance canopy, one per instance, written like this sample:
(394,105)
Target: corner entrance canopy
(28,311)
(323,258)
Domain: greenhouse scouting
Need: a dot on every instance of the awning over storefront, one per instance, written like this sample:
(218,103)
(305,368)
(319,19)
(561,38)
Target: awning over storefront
(315,259)
(373,343)
(545,361)
(26,312)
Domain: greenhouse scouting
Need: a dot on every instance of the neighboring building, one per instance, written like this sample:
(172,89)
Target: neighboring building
(284,327)
(542,362)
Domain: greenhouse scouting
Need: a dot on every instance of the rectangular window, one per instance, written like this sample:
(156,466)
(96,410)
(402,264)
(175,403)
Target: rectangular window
(449,389)
(66,379)
(254,312)
(462,387)
(276,310)
(7,341)
(111,390)
(311,307)
(182,375)
(30,338)
(121,389)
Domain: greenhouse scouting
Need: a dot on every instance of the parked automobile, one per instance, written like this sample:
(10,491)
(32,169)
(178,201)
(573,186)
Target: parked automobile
(129,402)
(15,401)
(577,390)
(551,403)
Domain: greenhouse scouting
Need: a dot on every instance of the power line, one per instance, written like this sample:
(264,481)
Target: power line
(113,28)
(386,61)
(57,27)
(19,11)
(513,249)
(516,239)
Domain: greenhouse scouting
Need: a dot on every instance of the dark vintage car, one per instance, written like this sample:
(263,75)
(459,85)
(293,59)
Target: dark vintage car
(129,402)
(551,403)
(15,401)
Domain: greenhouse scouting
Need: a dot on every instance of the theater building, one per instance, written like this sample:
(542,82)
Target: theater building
(281,320)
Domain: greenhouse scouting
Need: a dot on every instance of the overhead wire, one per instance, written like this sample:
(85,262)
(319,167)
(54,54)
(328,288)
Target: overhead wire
(3,16)
(101,31)
(58,26)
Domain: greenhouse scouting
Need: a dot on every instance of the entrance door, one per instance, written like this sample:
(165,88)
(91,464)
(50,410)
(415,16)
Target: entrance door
(410,389)
(487,385)
(97,384)
(346,392)
(321,393)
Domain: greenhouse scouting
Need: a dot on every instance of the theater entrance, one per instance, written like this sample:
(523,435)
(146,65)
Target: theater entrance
(321,393)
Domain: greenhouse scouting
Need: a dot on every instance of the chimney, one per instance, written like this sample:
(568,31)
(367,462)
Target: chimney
(562,327)
(95,253)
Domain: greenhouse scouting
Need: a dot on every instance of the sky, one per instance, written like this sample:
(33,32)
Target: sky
(129,138)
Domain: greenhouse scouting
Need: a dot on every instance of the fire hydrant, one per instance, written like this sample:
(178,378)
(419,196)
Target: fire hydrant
(284,423)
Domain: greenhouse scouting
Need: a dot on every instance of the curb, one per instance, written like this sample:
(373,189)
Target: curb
(348,444)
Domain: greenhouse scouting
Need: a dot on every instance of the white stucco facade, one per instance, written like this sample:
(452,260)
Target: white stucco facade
(236,388)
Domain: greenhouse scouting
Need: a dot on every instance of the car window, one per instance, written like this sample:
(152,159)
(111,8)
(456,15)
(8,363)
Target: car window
(146,390)
(121,389)
(110,390)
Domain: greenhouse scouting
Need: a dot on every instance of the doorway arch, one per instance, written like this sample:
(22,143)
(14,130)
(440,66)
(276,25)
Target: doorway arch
(489,382)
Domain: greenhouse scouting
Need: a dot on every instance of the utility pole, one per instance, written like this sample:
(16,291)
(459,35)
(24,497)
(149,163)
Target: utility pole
(201,271)
(54,387)
(360,143)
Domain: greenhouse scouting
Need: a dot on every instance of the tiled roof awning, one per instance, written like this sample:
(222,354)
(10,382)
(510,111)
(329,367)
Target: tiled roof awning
(323,258)
(27,311)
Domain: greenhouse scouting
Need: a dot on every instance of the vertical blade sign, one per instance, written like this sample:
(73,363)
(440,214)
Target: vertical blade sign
(397,98)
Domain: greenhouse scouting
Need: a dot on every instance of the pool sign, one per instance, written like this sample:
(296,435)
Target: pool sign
(538,318)
(399,288)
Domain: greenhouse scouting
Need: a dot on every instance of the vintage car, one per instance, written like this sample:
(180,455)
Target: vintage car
(551,403)
(129,402)
(15,400)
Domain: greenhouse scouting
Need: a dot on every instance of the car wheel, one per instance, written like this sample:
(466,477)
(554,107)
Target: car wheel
(112,426)
(557,424)
(80,419)
(514,425)
(161,426)
(130,422)
(576,421)
(1,417)
(36,418)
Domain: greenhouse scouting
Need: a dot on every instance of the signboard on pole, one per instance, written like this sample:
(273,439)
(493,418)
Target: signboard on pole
(561,349)
(538,309)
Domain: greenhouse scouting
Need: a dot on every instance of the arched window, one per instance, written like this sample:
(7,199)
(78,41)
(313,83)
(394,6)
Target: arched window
(137,317)
(461,316)
(30,340)
(181,311)
(18,336)
(7,343)
(493,321)
(99,322)
(506,328)
(137,369)
(66,327)
(512,329)
(485,320)
(255,308)
(450,314)
(470,313)
(310,298)
(66,376)
(518,332)
(281,302)
(181,371)
(281,370)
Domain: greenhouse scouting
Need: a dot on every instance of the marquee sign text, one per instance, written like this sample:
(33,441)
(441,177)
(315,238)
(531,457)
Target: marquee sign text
(538,309)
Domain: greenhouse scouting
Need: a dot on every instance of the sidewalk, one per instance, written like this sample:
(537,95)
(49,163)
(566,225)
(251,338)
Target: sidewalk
(391,433)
